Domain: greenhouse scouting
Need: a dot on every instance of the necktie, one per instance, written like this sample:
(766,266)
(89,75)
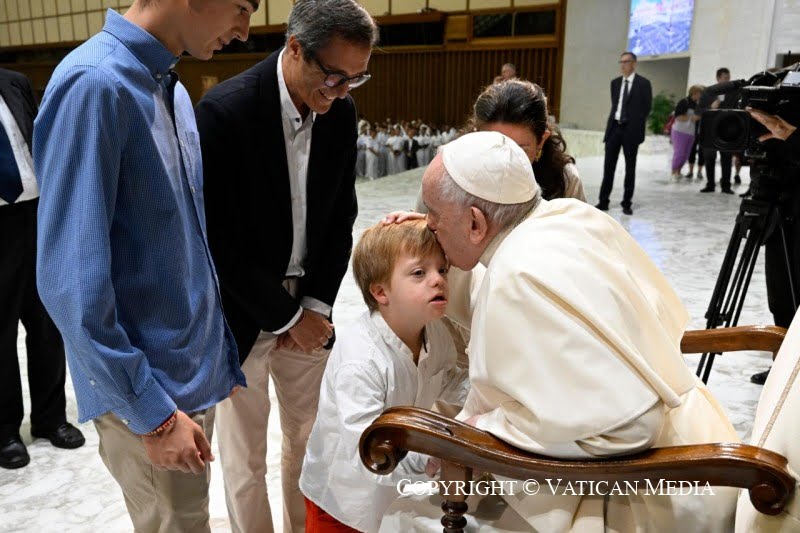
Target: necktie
(623,115)
(10,181)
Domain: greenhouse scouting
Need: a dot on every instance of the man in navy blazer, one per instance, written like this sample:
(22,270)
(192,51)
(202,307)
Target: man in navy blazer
(631,100)
(279,156)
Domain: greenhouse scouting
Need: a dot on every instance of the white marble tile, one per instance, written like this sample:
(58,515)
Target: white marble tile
(685,232)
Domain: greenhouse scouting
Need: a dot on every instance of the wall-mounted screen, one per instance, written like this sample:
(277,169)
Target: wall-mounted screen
(660,27)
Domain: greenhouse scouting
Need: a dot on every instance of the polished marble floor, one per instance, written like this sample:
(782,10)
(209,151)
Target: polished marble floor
(685,233)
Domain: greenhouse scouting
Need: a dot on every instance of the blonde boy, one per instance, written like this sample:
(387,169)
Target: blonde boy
(397,353)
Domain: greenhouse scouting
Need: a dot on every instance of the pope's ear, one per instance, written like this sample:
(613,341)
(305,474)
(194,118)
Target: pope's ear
(479,225)
(378,291)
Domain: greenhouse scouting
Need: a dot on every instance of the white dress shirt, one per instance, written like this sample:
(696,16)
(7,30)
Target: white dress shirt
(22,153)
(297,136)
(621,91)
(368,371)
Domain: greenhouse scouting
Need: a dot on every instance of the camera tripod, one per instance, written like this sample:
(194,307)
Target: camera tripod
(755,223)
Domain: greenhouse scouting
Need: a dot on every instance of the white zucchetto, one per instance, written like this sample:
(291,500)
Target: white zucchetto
(489,165)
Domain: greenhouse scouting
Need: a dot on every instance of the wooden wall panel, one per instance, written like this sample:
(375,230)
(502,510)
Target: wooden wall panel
(437,86)
(441,86)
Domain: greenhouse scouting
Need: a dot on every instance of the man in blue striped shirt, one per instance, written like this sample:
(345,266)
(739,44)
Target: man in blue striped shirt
(123,261)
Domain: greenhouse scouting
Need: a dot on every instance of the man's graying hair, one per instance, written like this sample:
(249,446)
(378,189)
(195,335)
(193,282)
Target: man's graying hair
(315,22)
(502,215)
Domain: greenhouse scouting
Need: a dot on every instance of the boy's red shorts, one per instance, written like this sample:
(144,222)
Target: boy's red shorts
(318,521)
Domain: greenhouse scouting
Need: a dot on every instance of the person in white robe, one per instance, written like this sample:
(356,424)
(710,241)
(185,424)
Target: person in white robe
(382,139)
(575,343)
(424,152)
(390,158)
(373,154)
(361,155)
(398,147)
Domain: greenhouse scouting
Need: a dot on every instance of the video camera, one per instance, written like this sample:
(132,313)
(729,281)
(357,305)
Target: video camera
(734,130)
(775,92)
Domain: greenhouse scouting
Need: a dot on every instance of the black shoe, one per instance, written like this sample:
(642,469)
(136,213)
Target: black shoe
(727,190)
(737,179)
(626,210)
(707,189)
(602,207)
(746,194)
(760,378)
(64,436)
(13,453)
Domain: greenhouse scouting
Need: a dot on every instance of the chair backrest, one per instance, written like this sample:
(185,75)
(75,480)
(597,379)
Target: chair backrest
(777,428)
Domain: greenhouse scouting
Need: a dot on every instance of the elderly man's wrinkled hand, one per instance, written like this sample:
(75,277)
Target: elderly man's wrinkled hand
(398,217)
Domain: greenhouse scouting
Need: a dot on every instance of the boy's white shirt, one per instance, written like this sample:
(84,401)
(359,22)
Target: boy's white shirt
(368,371)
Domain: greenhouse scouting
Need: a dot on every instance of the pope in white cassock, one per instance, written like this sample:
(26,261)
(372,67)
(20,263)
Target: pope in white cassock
(574,349)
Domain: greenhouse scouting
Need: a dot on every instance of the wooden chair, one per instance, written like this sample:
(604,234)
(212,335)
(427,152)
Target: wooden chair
(464,449)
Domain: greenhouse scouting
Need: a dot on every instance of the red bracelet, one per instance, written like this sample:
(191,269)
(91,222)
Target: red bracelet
(164,425)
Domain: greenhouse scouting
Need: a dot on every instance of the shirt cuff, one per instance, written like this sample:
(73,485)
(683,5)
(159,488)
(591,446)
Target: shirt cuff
(295,319)
(312,304)
(148,410)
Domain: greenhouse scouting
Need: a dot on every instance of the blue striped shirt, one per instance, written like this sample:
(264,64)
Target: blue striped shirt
(123,261)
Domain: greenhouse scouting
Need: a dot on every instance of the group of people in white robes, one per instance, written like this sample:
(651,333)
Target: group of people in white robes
(389,148)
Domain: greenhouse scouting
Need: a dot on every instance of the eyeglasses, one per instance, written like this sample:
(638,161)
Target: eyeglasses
(621,61)
(336,79)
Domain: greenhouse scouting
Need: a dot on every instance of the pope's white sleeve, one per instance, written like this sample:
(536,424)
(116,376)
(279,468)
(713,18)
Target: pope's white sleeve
(635,436)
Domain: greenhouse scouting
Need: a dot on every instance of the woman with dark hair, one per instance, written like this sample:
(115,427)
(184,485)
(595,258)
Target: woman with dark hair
(518,109)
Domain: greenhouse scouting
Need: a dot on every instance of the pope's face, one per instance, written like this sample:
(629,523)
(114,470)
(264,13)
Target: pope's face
(450,223)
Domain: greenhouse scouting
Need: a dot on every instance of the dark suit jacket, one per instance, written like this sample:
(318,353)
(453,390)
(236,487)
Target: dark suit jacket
(17,92)
(248,203)
(640,100)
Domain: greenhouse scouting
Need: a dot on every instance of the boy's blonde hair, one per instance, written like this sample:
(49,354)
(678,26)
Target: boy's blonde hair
(377,251)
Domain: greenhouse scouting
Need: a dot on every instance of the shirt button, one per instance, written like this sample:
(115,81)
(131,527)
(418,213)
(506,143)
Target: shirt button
(172,66)
(192,189)
(158,76)
(91,382)
(125,421)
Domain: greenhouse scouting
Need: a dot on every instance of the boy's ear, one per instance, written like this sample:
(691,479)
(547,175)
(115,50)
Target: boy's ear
(378,291)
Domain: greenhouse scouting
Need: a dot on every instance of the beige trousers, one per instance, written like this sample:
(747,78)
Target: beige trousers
(157,500)
(242,434)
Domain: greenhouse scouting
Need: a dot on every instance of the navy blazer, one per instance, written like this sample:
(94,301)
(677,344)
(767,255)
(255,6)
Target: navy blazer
(640,100)
(17,92)
(248,201)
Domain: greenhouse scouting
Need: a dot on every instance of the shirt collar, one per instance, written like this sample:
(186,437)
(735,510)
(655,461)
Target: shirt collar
(288,108)
(388,336)
(148,50)
(630,78)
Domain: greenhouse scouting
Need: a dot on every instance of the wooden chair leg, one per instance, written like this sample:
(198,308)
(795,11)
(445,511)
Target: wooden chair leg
(455,494)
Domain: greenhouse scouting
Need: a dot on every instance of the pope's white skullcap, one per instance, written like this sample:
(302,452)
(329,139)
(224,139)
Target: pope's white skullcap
(489,165)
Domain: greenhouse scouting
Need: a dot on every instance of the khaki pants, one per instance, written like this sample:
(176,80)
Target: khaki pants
(157,500)
(242,434)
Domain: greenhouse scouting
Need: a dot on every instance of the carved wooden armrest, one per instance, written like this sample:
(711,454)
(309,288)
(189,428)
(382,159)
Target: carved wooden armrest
(401,429)
(765,338)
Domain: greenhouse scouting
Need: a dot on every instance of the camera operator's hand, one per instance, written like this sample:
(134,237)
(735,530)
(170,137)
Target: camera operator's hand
(779,128)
